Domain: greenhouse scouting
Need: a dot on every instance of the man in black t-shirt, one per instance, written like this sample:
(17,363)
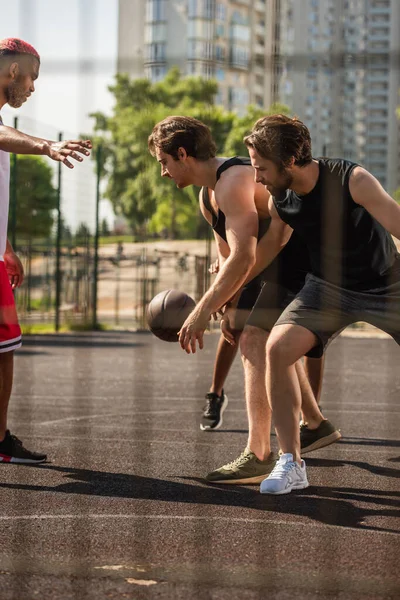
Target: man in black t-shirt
(346,219)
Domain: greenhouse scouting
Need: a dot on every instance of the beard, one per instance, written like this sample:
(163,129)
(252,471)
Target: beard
(281,184)
(15,94)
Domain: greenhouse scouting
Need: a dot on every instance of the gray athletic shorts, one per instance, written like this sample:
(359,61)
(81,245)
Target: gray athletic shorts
(326,309)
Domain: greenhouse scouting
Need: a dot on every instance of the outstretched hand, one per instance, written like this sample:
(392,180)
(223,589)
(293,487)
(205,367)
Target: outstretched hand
(62,151)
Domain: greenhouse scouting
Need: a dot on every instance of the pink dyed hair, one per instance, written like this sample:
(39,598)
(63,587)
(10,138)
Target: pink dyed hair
(15,46)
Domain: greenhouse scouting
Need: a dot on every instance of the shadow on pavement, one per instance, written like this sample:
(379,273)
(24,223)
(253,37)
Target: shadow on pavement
(105,340)
(356,441)
(23,352)
(374,469)
(228,431)
(330,506)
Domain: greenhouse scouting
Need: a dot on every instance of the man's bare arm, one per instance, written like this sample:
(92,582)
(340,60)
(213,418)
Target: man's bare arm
(366,190)
(12,140)
(236,200)
(275,238)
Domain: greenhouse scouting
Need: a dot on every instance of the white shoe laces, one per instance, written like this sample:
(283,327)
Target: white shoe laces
(281,469)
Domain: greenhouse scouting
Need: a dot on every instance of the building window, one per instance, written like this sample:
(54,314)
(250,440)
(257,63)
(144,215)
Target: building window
(238,96)
(220,14)
(219,98)
(219,30)
(240,33)
(204,9)
(220,74)
(155,33)
(198,28)
(240,57)
(200,50)
(155,10)
(156,73)
(207,71)
(156,52)
(219,53)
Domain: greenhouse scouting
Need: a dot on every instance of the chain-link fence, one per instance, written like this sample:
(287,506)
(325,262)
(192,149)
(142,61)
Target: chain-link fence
(73,280)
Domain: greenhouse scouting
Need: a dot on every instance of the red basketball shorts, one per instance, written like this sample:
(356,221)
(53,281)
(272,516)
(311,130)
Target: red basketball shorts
(10,331)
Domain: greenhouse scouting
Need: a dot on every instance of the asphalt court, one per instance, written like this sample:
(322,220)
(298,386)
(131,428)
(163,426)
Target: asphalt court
(121,509)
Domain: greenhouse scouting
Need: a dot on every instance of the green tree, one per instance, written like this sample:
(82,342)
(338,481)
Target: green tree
(234,145)
(36,198)
(82,234)
(66,233)
(104,228)
(135,187)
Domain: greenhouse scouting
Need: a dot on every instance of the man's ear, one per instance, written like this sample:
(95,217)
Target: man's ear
(14,70)
(182,154)
(289,164)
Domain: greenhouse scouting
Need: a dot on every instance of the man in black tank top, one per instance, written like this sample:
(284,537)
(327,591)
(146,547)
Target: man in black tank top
(346,219)
(236,206)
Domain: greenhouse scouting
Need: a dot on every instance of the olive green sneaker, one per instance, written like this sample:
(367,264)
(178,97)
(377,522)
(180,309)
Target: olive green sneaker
(246,469)
(314,439)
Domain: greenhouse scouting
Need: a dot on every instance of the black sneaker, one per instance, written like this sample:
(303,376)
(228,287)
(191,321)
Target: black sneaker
(12,451)
(313,439)
(212,416)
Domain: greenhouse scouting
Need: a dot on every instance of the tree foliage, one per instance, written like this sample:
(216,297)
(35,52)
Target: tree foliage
(36,198)
(135,187)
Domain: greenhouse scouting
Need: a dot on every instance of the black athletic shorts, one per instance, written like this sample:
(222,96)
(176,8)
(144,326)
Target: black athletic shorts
(262,302)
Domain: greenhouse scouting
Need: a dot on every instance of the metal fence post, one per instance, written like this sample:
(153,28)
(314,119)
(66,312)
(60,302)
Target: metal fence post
(58,246)
(96,240)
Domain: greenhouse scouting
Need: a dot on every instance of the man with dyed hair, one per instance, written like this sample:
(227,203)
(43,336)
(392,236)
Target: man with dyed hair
(19,69)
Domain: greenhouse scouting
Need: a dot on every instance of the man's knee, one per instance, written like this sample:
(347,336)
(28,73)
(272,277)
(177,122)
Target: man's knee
(252,341)
(287,344)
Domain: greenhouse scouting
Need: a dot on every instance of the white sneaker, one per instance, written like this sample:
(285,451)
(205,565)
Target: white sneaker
(287,475)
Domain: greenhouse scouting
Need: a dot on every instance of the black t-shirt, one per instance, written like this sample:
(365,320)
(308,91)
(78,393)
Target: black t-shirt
(346,245)
(291,265)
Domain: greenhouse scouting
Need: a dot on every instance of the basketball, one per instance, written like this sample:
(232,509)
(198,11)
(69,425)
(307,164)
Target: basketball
(167,312)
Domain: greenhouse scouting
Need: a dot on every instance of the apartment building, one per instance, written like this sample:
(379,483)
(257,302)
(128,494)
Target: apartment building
(229,40)
(340,72)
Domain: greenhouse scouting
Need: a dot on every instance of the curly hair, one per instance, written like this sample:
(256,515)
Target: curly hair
(280,138)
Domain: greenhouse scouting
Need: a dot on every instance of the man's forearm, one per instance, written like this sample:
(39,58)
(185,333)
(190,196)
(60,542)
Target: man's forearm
(12,140)
(268,249)
(9,247)
(228,281)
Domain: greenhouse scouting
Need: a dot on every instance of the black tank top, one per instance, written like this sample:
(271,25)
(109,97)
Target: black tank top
(346,245)
(291,265)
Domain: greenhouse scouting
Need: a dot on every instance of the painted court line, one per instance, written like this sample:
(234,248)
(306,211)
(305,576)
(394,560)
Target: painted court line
(82,418)
(192,442)
(147,399)
(188,518)
(187,411)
